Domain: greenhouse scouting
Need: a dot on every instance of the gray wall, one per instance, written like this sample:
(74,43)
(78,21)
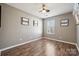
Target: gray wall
(12,32)
(62,33)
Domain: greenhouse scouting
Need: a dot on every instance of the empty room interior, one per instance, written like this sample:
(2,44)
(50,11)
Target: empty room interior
(39,29)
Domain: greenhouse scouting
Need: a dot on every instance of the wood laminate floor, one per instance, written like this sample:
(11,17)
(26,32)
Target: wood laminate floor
(43,47)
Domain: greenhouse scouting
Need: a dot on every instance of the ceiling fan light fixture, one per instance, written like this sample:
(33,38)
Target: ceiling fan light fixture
(44,9)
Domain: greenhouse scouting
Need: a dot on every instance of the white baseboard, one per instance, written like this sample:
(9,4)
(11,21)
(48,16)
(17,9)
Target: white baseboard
(60,40)
(19,44)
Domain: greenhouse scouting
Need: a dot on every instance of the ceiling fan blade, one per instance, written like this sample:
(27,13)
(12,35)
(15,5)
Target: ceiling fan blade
(47,10)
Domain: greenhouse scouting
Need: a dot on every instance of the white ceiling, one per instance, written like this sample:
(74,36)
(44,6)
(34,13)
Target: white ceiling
(33,8)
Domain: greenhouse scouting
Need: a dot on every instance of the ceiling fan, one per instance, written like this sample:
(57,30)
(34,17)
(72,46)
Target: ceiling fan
(44,9)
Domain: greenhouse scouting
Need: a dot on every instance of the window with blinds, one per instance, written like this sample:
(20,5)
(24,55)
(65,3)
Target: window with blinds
(51,27)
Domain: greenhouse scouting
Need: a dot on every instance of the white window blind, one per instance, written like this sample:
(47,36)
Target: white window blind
(51,26)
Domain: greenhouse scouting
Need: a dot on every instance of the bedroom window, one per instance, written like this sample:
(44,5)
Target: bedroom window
(51,26)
